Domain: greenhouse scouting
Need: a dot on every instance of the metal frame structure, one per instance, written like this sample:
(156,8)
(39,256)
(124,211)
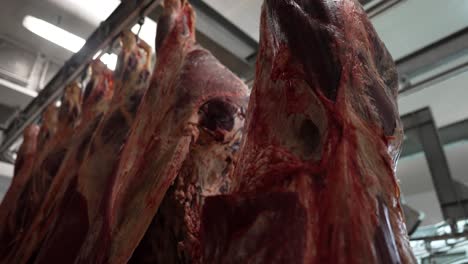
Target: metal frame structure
(125,15)
(452,196)
(375,7)
(229,44)
(232,46)
(448,135)
(430,57)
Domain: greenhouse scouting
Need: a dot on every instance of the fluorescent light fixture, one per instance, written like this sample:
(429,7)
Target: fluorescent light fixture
(110,60)
(53,33)
(64,38)
(147,32)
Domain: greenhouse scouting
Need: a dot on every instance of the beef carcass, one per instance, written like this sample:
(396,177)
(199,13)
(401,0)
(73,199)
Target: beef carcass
(131,80)
(47,165)
(23,167)
(193,104)
(316,177)
(48,129)
(173,236)
(96,99)
(53,146)
(11,233)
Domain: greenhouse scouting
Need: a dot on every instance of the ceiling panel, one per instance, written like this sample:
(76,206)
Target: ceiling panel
(243,13)
(412,25)
(13,12)
(447,100)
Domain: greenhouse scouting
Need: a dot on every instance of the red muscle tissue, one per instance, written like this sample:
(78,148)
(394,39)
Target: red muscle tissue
(84,193)
(174,168)
(316,176)
(192,100)
(97,96)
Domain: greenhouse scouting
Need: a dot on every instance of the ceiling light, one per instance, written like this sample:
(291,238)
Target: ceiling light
(147,32)
(53,33)
(92,11)
(110,60)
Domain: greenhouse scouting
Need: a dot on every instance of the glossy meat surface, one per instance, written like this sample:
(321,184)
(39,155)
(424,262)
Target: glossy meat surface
(83,194)
(169,124)
(23,168)
(98,94)
(47,166)
(322,130)
(173,236)
(53,142)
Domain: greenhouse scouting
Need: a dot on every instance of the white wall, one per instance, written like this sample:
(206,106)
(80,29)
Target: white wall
(416,182)
(447,99)
(413,24)
(405,28)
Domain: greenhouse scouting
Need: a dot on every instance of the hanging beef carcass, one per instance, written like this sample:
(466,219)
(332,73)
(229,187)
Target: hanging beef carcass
(23,167)
(193,106)
(316,177)
(11,232)
(47,166)
(96,99)
(48,129)
(173,236)
(48,159)
(72,221)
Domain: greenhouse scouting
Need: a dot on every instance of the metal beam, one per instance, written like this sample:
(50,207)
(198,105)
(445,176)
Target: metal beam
(126,14)
(447,190)
(376,7)
(226,41)
(229,44)
(224,32)
(449,134)
(441,237)
(239,66)
(431,57)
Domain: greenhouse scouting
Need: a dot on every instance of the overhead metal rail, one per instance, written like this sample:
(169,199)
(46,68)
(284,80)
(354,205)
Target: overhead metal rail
(124,16)
(437,54)
(232,46)
(450,134)
(376,7)
(227,42)
(452,195)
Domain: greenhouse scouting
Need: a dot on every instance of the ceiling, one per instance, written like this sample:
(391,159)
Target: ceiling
(79,17)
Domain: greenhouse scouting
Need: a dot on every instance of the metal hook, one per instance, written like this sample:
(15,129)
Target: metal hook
(141,22)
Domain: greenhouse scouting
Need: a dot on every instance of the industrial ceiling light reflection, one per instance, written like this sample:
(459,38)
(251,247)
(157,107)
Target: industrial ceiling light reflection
(110,60)
(63,38)
(53,33)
